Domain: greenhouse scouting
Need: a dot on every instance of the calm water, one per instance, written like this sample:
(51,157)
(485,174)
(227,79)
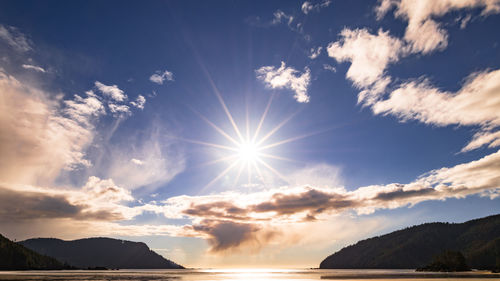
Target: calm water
(242,274)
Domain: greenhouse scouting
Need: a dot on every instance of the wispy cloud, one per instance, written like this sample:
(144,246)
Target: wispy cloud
(286,78)
(139,102)
(417,99)
(155,160)
(329,67)
(308,7)
(111,91)
(137,161)
(119,109)
(44,138)
(315,52)
(33,67)
(369,54)
(423,32)
(160,76)
(421,101)
(280,16)
(15,39)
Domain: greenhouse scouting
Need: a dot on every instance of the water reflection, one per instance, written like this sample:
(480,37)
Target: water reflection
(241,275)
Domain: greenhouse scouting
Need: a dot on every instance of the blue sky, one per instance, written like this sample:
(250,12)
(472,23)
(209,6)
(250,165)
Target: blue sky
(374,115)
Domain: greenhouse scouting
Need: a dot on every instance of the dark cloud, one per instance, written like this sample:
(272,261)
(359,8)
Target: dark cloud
(33,205)
(224,235)
(404,194)
(219,209)
(312,200)
(23,205)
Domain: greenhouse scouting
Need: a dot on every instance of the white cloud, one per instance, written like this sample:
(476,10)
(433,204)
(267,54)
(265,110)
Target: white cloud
(369,54)
(119,109)
(423,32)
(420,101)
(139,102)
(155,161)
(329,67)
(315,52)
(465,21)
(286,78)
(83,109)
(111,91)
(318,175)
(160,76)
(44,137)
(253,216)
(280,16)
(417,99)
(137,161)
(15,39)
(482,138)
(308,6)
(33,67)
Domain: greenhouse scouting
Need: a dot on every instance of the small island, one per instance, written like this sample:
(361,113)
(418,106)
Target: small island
(447,261)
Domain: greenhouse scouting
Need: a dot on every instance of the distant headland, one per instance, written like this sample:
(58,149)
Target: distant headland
(427,247)
(89,253)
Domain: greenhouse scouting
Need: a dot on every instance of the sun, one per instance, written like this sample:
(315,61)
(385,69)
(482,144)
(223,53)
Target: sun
(248,152)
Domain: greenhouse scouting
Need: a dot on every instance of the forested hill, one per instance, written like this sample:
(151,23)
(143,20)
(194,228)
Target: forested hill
(478,240)
(101,252)
(17,257)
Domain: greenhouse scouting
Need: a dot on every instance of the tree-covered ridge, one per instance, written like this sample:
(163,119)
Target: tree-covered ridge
(101,252)
(14,256)
(415,247)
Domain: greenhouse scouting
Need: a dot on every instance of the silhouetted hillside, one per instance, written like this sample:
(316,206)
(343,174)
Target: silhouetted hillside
(101,252)
(414,247)
(17,257)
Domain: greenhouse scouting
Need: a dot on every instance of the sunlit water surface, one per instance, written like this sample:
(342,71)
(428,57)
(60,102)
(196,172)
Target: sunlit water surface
(242,274)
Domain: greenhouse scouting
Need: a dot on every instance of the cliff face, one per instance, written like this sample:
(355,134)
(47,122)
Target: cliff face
(414,247)
(101,252)
(17,257)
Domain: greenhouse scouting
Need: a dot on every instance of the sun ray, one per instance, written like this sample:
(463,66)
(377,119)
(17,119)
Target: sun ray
(265,155)
(228,114)
(293,139)
(259,172)
(247,121)
(275,129)
(223,173)
(249,150)
(249,173)
(262,118)
(222,132)
(218,160)
(207,144)
(272,169)
(240,170)
(218,95)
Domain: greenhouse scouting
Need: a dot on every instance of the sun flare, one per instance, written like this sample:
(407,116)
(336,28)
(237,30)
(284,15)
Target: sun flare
(248,152)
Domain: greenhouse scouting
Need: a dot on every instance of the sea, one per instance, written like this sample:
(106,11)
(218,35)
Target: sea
(244,275)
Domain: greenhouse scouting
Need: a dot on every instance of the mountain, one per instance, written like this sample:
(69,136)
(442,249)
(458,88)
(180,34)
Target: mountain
(101,252)
(17,257)
(415,247)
